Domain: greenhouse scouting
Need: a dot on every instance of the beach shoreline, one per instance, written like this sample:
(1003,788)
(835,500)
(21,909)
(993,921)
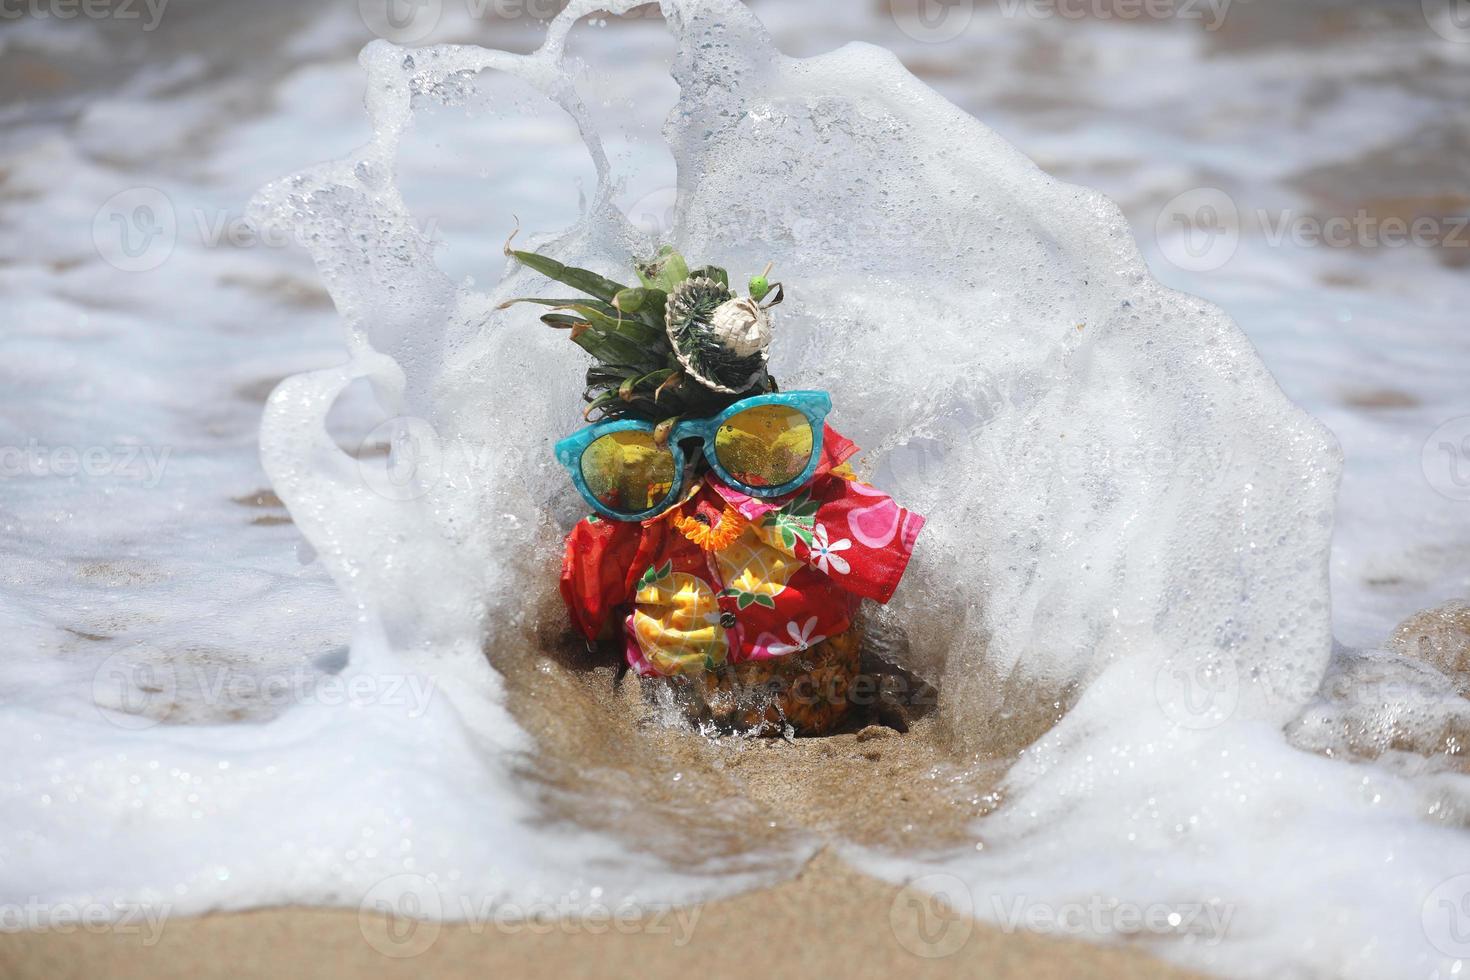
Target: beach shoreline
(828,920)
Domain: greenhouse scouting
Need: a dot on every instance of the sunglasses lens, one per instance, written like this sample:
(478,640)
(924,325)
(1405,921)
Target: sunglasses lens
(627,471)
(765,446)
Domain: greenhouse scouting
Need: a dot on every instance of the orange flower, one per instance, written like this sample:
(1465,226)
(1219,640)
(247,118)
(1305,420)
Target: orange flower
(717,537)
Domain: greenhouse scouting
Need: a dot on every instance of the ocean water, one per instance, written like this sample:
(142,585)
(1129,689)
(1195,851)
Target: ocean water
(1156,521)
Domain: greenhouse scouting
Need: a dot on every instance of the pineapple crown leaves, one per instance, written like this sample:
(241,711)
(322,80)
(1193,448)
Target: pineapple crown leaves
(636,372)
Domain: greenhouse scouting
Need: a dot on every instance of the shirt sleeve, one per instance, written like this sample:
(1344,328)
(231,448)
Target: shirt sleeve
(595,567)
(853,533)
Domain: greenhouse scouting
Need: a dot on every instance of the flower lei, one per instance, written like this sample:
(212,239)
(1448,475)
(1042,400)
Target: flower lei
(716,537)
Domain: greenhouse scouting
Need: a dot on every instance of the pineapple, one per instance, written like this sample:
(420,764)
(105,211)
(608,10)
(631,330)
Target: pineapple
(808,691)
(682,344)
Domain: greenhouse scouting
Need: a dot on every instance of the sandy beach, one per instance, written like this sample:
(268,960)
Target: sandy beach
(831,921)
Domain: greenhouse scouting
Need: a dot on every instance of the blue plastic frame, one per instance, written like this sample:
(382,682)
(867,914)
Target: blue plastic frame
(815,405)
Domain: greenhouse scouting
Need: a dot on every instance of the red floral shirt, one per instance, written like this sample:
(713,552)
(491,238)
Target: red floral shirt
(725,577)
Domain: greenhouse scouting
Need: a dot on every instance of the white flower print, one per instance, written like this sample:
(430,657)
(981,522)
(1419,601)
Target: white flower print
(825,552)
(801,639)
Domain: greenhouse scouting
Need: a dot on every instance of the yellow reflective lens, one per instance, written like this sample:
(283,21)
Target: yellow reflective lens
(627,471)
(765,446)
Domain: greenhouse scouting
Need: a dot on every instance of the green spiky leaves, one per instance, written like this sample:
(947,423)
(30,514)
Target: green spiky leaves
(651,361)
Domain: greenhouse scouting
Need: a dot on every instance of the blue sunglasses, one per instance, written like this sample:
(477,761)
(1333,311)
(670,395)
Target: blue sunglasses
(763,446)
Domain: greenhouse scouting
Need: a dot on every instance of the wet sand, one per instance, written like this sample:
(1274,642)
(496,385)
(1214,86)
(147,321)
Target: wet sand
(829,921)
